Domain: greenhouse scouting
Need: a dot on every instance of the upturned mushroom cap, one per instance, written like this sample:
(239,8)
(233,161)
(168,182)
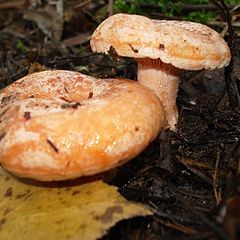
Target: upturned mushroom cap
(58,125)
(185,45)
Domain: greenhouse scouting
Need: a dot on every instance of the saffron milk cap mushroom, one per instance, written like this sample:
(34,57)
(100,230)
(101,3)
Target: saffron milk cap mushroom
(58,125)
(162,50)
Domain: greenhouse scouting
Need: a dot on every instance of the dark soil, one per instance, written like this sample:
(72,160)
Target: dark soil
(188,178)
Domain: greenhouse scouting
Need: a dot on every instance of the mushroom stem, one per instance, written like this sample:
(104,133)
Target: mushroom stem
(163,79)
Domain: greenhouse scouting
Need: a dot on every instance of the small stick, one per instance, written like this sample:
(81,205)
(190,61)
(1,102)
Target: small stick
(110,7)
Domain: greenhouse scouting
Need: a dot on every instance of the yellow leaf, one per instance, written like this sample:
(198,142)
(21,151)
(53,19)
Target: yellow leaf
(35,212)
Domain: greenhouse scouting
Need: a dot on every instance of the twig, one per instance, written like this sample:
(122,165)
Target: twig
(12,4)
(82,4)
(110,7)
(216,187)
(77,40)
(228,18)
(197,172)
(185,229)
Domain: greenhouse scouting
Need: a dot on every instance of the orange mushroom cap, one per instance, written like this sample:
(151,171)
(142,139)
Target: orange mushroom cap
(57,125)
(185,45)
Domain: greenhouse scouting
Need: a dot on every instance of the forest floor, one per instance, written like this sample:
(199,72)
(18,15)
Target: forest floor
(188,178)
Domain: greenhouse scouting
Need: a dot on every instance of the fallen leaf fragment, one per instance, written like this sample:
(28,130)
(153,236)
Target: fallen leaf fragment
(84,211)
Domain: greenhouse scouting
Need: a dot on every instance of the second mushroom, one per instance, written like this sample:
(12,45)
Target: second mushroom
(162,50)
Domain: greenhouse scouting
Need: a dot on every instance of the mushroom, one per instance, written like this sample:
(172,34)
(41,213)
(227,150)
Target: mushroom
(58,125)
(162,49)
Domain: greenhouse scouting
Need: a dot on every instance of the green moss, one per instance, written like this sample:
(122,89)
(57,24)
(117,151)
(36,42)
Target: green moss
(169,9)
